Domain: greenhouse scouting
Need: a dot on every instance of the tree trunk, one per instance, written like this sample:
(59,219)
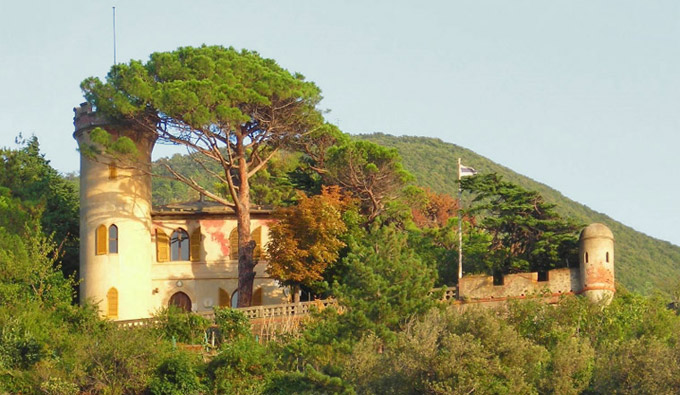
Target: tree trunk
(246,267)
(246,246)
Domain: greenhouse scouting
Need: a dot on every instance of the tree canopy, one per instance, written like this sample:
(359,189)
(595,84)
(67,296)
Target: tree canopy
(372,173)
(527,233)
(40,189)
(306,238)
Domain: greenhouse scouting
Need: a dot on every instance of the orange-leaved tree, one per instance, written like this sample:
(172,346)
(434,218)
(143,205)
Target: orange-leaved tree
(307,238)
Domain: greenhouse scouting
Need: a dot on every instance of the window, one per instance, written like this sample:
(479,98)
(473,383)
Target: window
(256,235)
(113,239)
(181,300)
(586,257)
(607,257)
(195,245)
(112,303)
(179,245)
(233,245)
(100,240)
(162,246)
(543,275)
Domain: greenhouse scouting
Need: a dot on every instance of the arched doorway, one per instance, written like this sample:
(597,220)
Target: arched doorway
(181,300)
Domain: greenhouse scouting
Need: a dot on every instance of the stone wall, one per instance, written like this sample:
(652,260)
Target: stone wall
(481,287)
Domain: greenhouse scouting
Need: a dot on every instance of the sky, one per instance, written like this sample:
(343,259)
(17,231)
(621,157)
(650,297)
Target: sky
(583,96)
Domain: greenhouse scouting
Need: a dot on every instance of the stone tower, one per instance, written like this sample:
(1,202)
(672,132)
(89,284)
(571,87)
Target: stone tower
(596,250)
(115,221)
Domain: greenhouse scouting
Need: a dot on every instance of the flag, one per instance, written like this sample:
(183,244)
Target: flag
(465,171)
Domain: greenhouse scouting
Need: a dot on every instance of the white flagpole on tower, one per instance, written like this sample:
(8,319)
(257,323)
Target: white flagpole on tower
(463,171)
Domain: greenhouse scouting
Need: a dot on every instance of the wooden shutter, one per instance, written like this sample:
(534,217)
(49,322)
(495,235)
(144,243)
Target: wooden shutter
(224,299)
(195,245)
(257,297)
(100,240)
(113,171)
(162,246)
(257,237)
(233,245)
(112,303)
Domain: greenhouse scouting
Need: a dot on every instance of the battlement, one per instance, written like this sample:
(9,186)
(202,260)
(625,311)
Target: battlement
(519,285)
(594,277)
(85,117)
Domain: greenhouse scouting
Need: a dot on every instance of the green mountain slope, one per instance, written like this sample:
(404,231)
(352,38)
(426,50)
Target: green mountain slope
(643,263)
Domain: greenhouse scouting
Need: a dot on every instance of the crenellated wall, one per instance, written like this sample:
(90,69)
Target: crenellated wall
(594,277)
(559,281)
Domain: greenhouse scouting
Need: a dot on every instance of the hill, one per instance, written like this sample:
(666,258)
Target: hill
(643,263)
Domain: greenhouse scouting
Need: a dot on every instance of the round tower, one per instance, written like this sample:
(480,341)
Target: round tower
(596,258)
(115,220)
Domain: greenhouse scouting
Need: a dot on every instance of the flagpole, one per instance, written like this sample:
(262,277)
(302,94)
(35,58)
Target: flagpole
(460,226)
(114,35)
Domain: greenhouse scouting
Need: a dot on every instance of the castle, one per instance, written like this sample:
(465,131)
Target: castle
(136,259)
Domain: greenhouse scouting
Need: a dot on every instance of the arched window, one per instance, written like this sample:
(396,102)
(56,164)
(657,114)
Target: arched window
(162,246)
(113,239)
(195,244)
(181,300)
(256,235)
(179,245)
(112,303)
(234,299)
(233,245)
(100,240)
(224,299)
(257,297)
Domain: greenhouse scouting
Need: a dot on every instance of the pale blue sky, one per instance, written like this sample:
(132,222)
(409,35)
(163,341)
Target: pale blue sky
(581,95)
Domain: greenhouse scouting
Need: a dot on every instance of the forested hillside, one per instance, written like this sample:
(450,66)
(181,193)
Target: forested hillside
(643,263)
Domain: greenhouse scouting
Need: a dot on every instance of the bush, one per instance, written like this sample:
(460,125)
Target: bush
(241,367)
(177,375)
(122,360)
(176,324)
(232,324)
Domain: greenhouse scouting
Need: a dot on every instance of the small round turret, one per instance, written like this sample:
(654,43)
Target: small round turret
(115,220)
(596,258)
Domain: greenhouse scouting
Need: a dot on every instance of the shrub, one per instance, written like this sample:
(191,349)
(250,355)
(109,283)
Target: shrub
(175,323)
(177,375)
(232,324)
